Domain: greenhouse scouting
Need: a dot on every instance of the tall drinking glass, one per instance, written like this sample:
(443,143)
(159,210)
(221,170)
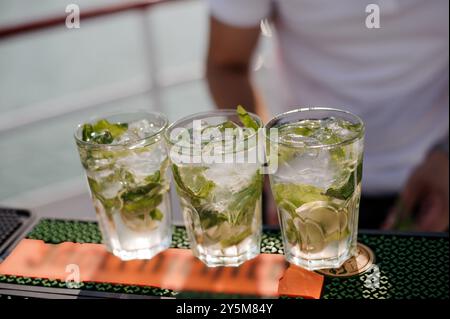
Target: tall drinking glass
(219,185)
(317,185)
(126,163)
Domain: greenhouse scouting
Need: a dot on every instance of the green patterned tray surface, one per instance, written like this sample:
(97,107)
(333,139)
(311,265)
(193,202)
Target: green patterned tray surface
(407,266)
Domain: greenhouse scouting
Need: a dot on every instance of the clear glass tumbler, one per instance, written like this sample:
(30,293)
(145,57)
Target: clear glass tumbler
(317,185)
(126,164)
(218,180)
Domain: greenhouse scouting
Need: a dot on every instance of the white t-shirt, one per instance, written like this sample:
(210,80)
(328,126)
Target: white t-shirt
(395,77)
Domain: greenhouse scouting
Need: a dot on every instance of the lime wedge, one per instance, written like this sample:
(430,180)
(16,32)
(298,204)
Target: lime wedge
(312,236)
(332,221)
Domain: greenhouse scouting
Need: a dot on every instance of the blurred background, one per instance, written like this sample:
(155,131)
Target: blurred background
(53,78)
(150,54)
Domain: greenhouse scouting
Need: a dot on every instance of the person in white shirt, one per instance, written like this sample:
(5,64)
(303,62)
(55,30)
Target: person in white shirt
(394,77)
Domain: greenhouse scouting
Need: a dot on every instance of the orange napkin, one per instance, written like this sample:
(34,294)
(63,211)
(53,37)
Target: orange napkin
(177,269)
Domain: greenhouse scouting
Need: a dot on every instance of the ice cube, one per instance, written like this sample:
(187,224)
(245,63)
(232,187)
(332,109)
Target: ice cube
(127,137)
(297,139)
(111,190)
(231,176)
(142,163)
(312,167)
(143,128)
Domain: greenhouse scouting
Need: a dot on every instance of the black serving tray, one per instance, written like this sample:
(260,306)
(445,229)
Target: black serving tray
(14,225)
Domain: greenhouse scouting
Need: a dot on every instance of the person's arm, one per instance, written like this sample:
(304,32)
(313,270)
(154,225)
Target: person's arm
(427,191)
(229,65)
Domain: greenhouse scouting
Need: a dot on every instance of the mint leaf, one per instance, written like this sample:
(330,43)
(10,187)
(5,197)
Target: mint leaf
(138,192)
(244,202)
(246,119)
(103,138)
(354,127)
(145,198)
(193,183)
(155,178)
(109,204)
(346,191)
(302,130)
(338,152)
(120,175)
(103,132)
(296,130)
(87,132)
(134,201)
(359,170)
(210,218)
(156,214)
(115,129)
(142,204)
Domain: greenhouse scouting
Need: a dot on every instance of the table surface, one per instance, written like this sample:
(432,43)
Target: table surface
(409,265)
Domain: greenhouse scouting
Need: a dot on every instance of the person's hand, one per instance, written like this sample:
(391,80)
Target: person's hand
(426,190)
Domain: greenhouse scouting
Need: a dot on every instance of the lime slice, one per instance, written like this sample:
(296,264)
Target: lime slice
(343,222)
(333,222)
(311,235)
(321,212)
(297,194)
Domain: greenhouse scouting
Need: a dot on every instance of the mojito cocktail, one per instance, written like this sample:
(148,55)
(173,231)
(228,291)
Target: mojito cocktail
(317,185)
(219,184)
(126,165)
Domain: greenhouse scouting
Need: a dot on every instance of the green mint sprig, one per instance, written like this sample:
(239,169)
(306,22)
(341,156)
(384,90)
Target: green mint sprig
(246,119)
(103,132)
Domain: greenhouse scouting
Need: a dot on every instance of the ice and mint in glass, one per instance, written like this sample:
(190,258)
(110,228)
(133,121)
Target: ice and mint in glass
(317,185)
(126,164)
(217,174)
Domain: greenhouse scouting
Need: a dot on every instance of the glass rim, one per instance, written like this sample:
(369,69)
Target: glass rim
(207,114)
(132,142)
(316,108)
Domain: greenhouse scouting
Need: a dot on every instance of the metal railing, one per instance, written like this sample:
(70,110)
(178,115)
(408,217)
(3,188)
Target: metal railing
(86,15)
(153,84)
